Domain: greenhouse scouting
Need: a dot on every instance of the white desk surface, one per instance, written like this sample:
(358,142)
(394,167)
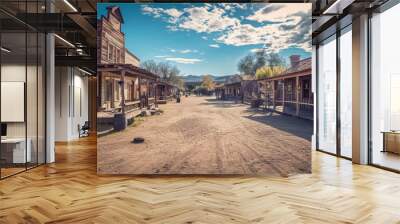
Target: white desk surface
(13,140)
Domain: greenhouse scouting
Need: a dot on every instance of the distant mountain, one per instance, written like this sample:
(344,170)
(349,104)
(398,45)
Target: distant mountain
(199,78)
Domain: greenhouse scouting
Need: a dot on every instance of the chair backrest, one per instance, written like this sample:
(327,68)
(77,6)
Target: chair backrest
(86,125)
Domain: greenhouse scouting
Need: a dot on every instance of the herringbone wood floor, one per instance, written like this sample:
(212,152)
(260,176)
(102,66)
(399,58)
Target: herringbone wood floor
(69,191)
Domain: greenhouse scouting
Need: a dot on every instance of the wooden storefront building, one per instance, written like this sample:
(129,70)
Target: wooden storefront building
(123,88)
(290,93)
(165,92)
(250,89)
(230,90)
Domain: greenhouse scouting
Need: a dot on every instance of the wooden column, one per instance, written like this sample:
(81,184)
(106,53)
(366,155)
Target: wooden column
(140,92)
(133,90)
(283,95)
(155,94)
(147,92)
(112,103)
(297,96)
(273,94)
(123,92)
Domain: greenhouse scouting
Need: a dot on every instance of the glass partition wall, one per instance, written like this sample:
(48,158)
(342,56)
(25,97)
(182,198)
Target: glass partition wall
(334,105)
(22,77)
(385,89)
(334,94)
(327,95)
(345,62)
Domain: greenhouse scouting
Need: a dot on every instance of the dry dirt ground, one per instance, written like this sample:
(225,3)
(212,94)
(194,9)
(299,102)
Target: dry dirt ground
(204,136)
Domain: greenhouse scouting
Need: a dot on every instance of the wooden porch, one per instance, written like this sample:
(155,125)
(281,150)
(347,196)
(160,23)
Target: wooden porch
(233,91)
(123,91)
(165,92)
(289,94)
(124,87)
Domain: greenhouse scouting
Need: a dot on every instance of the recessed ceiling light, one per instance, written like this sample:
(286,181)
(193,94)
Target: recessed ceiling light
(337,7)
(70,5)
(5,50)
(64,40)
(86,72)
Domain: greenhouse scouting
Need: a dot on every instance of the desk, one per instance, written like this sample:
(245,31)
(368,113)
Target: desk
(13,150)
(391,141)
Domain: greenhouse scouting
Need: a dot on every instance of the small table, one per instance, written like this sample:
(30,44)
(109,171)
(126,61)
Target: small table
(391,141)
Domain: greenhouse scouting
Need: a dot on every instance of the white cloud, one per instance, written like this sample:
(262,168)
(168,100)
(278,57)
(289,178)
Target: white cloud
(247,34)
(184,51)
(280,12)
(207,19)
(184,60)
(156,12)
(233,6)
(271,36)
(173,12)
(161,56)
(289,25)
(255,50)
(279,26)
(214,45)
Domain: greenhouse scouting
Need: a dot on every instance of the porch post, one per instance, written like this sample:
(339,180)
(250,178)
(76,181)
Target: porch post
(123,92)
(297,96)
(283,95)
(112,103)
(273,94)
(155,94)
(140,92)
(147,92)
(133,90)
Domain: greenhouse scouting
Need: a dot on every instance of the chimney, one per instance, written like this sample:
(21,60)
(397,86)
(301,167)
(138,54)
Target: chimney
(294,60)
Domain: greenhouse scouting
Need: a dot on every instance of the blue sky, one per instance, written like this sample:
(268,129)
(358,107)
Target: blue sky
(211,38)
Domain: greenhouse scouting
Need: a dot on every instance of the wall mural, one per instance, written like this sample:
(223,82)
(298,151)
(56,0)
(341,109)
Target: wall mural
(204,88)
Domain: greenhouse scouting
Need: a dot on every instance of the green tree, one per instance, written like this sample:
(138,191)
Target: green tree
(252,62)
(246,65)
(269,71)
(208,83)
(275,60)
(165,71)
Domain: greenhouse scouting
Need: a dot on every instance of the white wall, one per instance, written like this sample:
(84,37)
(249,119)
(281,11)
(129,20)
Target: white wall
(71,103)
(80,109)
(33,126)
(9,73)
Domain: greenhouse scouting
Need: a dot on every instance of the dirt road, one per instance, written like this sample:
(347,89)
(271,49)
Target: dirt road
(204,136)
